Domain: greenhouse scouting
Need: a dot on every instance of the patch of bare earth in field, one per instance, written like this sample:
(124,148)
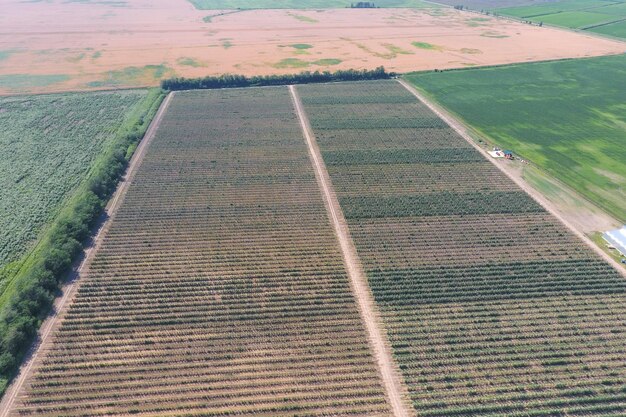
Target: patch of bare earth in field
(57,45)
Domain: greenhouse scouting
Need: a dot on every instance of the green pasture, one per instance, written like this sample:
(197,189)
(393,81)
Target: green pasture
(576,19)
(298,4)
(600,16)
(617,30)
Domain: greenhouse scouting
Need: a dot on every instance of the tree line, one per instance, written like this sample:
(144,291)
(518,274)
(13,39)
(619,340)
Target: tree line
(306,77)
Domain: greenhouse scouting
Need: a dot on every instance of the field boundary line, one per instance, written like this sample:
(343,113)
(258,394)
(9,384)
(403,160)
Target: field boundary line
(462,130)
(396,391)
(70,287)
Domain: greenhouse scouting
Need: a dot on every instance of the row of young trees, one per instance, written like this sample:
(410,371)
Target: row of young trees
(306,77)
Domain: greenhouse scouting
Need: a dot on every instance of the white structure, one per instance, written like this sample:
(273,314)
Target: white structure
(617,238)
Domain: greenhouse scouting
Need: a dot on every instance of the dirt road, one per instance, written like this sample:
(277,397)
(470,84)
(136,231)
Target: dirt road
(392,380)
(462,130)
(69,289)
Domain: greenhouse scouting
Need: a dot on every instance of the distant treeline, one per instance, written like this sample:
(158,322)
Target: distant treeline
(38,283)
(306,77)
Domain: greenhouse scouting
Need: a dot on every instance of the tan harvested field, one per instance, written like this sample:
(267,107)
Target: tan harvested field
(57,45)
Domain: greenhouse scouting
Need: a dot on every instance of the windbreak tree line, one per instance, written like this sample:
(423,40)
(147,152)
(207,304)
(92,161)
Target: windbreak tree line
(306,77)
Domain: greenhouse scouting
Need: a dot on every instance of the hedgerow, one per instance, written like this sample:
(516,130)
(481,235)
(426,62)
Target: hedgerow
(306,77)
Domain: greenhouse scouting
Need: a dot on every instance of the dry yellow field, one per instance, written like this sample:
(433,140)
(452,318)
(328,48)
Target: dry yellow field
(57,46)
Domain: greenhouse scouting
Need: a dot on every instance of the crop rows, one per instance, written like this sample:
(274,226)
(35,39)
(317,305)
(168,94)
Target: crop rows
(592,15)
(219,288)
(493,307)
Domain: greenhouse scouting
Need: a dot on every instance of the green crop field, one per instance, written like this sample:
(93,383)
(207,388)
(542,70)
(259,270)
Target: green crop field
(575,19)
(47,145)
(551,7)
(491,4)
(492,307)
(298,4)
(614,29)
(567,117)
(592,15)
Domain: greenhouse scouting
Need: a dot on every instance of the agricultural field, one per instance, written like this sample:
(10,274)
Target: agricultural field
(568,118)
(297,4)
(52,46)
(492,306)
(491,4)
(48,143)
(219,288)
(614,29)
(601,16)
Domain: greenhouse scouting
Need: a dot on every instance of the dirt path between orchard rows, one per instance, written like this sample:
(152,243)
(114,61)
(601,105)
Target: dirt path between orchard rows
(462,130)
(69,289)
(396,391)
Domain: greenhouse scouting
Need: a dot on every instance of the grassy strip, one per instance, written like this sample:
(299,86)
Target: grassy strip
(597,238)
(29,297)
(301,4)
(306,77)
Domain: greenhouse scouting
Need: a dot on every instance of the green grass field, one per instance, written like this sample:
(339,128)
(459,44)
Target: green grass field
(567,117)
(552,7)
(299,63)
(614,29)
(298,4)
(593,15)
(575,19)
(129,76)
(47,145)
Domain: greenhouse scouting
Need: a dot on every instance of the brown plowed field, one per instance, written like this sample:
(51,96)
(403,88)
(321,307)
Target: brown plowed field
(57,45)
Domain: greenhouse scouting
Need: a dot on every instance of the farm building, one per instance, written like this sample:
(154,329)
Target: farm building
(617,238)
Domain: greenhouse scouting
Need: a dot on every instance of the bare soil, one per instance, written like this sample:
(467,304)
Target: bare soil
(96,45)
